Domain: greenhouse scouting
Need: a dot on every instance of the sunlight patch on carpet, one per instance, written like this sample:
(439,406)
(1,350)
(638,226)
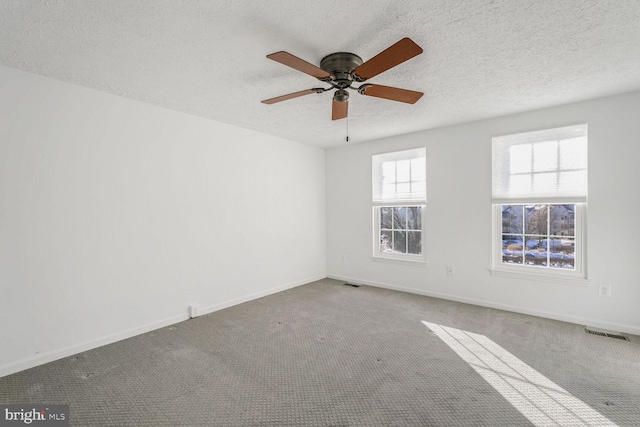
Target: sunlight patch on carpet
(536,397)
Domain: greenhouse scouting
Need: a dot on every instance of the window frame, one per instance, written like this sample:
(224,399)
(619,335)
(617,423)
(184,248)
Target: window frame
(576,276)
(378,202)
(377,253)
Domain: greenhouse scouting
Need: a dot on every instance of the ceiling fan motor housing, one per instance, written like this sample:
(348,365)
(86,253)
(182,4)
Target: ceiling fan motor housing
(341,95)
(341,65)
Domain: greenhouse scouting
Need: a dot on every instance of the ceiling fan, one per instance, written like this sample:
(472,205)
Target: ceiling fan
(342,69)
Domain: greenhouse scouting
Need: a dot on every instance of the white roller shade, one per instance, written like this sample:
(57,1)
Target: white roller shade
(400,176)
(542,166)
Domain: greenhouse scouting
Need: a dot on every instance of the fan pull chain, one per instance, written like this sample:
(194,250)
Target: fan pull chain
(347,138)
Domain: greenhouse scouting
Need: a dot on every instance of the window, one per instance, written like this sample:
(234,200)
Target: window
(399,197)
(539,202)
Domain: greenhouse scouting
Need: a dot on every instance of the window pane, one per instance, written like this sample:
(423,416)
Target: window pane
(550,243)
(572,180)
(400,242)
(562,254)
(418,169)
(388,172)
(400,218)
(386,218)
(512,242)
(533,242)
(512,249)
(545,182)
(536,256)
(415,242)
(536,219)
(520,158)
(535,251)
(512,218)
(562,220)
(545,156)
(403,189)
(403,170)
(386,240)
(388,189)
(519,184)
(414,218)
(573,154)
(418,187)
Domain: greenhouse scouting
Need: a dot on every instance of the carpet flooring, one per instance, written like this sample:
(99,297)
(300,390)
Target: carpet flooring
(329,354)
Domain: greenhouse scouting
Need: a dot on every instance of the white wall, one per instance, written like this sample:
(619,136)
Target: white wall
(115,216)
(459,216)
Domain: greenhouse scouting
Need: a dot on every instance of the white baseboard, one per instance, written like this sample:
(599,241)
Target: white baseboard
(50,356)
(57,354)
(611,326)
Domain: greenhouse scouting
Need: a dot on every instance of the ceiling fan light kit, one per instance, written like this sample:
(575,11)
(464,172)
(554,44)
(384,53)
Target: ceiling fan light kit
(342,69)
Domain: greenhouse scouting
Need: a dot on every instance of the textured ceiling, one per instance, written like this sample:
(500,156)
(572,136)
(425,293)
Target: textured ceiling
(482,58)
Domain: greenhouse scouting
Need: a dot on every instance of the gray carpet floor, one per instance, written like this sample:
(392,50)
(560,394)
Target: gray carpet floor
(328,354)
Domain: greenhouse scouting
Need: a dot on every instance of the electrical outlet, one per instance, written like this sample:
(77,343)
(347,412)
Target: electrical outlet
(193,311)
(604,290)
(450,271)
(343,258)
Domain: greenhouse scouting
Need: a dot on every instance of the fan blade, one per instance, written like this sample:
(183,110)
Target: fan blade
(289,96)
(402,51)
(339,110)
(299,64)
(392,93)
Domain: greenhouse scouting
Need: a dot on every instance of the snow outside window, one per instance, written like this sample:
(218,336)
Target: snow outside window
(398,198)
(539,203)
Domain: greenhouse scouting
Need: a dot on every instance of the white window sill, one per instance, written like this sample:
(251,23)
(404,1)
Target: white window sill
(551,278)
(409,262)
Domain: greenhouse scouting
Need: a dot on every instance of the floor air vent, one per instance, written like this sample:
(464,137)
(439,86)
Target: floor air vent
(352,285)
(606,334)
